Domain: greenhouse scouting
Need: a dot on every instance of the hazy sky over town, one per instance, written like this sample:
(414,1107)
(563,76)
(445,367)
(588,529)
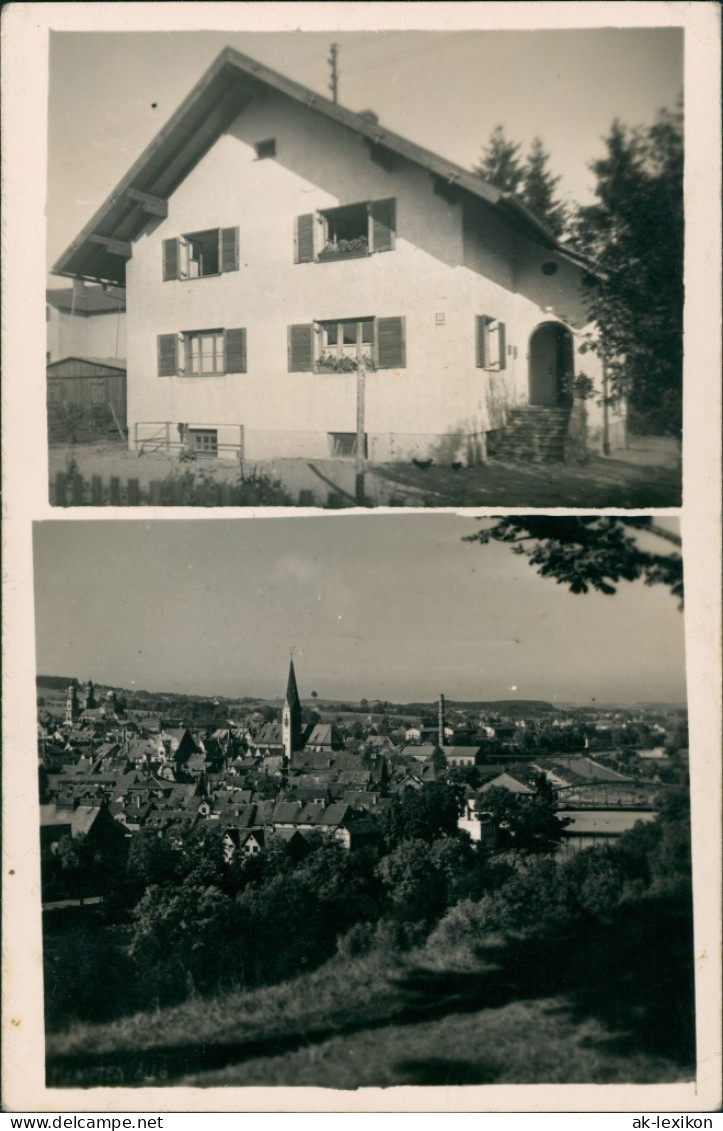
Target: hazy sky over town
(382,606)
(111,92)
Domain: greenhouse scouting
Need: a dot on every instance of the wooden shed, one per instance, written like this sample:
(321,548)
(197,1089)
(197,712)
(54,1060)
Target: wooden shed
(94,385)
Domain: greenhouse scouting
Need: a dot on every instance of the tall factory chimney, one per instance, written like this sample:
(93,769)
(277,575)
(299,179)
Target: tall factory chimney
(441,720)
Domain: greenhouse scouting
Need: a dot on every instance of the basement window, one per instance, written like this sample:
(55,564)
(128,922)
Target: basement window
(266,148)
(203,441)
(343,445)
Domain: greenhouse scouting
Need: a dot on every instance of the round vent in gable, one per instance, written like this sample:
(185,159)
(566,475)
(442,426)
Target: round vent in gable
(549,268)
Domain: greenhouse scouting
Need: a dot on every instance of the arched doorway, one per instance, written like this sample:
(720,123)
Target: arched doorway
(551,360)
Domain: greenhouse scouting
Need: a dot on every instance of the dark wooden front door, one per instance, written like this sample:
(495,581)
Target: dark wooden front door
(551,359)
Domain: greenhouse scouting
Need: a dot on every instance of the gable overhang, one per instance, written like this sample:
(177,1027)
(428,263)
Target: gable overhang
(101,250)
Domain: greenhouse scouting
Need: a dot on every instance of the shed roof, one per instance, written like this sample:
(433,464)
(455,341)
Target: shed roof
(227,88)
(92,300)
(117,364)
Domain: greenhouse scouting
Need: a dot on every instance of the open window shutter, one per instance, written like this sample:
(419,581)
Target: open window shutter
(301,340)
(167,355)
(229,249)
(502,339)
(383,224)
(235,351)
(391,352)
(481,322)
(304,239)
(170,259)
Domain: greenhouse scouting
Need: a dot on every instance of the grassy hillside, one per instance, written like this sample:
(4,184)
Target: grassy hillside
(597,1005)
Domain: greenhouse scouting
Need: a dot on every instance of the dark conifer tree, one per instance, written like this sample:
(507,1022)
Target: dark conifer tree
(538,189)
(633,234)
(500,163)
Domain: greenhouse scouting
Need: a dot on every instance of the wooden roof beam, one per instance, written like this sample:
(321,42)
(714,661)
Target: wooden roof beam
(114,247)
(153,205)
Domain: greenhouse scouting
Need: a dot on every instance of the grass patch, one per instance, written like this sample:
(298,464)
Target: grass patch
(531,1042)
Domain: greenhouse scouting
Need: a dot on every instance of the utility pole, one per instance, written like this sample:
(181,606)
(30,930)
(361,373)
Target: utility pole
(606,405)
(361,374)
(334,84)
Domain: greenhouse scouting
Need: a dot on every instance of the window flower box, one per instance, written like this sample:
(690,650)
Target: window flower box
(329,364)
(344,249)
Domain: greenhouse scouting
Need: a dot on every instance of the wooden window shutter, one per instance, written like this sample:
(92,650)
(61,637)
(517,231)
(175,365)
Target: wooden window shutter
(229,249)
(235,351)
(481,323)
(383,223)
(502,341)
(301,348)
(170,259)
(391,351)
(304,239)
(167,355)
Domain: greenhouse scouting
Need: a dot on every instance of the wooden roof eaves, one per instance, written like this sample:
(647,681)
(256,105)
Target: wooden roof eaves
(222,83)
(138,174)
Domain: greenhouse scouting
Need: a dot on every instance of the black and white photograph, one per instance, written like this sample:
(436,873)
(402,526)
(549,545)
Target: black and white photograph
(361,489)
(364,801)
(396,268)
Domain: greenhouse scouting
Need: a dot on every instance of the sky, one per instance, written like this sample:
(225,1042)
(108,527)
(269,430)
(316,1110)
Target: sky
(111,92)
(393,607)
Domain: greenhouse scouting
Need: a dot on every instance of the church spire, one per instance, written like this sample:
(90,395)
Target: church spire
(291,716)
(292,692)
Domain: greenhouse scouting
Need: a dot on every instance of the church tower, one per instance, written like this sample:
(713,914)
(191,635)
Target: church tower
(72,706)
(291,716)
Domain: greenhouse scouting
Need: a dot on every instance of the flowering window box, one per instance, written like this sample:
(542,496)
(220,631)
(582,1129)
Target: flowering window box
(330,256)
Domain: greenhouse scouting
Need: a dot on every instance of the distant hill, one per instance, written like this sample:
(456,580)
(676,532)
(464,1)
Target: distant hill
(55,682)
(508,706)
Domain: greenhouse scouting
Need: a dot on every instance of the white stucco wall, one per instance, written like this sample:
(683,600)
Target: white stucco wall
(92,335)
(431,406)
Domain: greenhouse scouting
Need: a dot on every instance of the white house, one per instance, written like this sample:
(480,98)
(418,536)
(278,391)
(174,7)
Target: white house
(273,244)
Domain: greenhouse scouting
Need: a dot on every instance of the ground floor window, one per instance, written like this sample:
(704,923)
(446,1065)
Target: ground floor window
(345,344)
(339,345)
(204,351)
(344,444)
(203,441)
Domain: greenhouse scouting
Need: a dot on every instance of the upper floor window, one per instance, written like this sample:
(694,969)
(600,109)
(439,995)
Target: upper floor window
(348,232)
(198,254)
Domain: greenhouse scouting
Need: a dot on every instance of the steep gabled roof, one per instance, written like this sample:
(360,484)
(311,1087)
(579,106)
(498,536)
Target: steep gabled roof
(229,85)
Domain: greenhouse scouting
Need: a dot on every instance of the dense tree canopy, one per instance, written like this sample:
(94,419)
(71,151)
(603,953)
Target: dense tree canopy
(632,237)
(633,234)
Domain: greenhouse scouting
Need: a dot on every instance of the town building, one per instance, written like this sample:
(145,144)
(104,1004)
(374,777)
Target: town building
(298,276)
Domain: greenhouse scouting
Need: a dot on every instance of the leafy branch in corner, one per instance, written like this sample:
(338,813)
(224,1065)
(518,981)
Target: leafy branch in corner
(590,552)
